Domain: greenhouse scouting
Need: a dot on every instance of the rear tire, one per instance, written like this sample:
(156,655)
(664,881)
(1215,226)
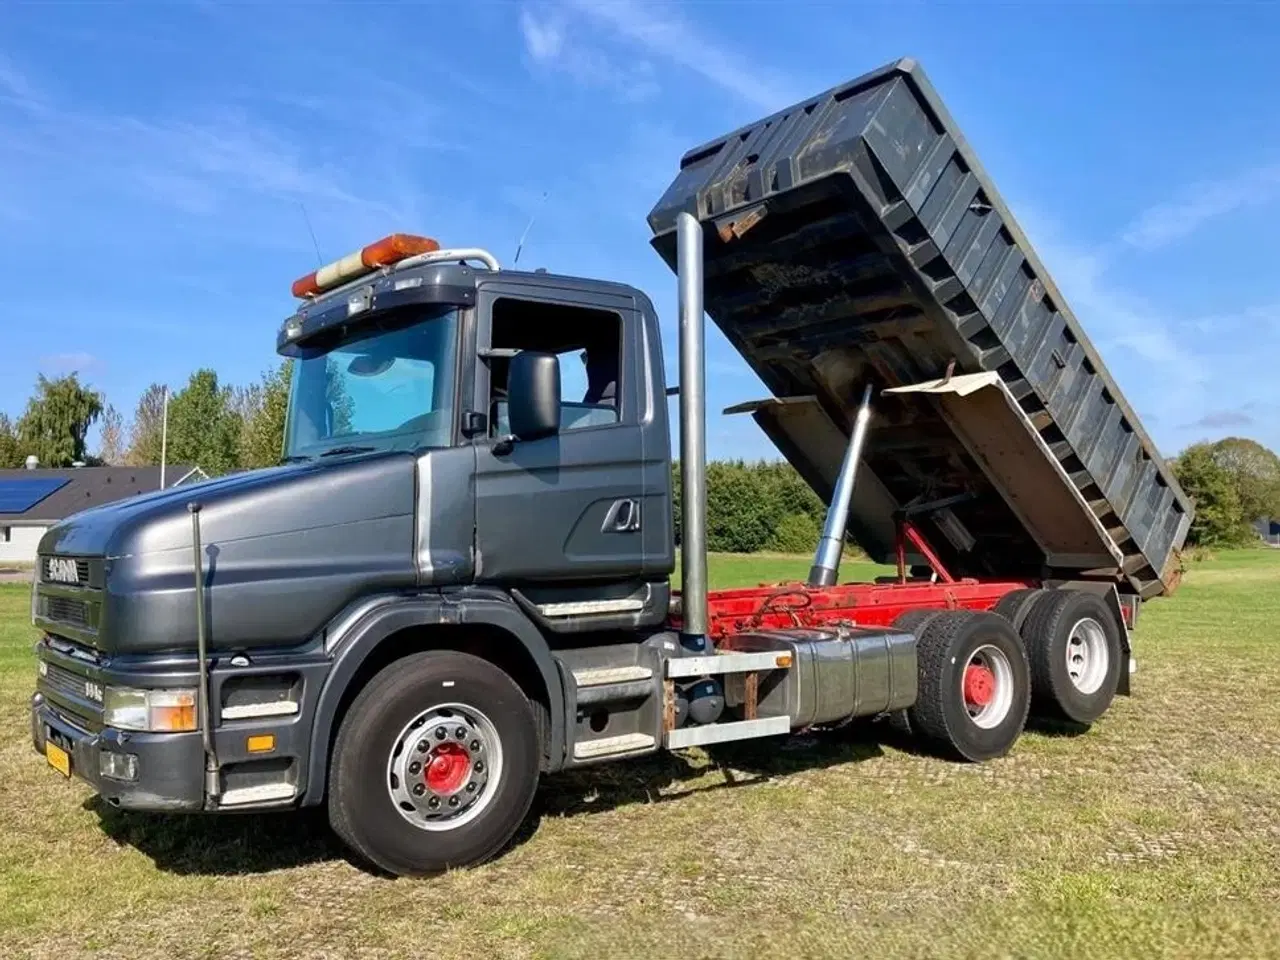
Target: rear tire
(975,687)
(1073,645)
(435,765)
(1016,605)
(914,622)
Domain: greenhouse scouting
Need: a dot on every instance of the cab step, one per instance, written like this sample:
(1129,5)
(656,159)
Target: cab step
(603,676)
(261,793)
(719,663)
(724,732)
(613,746)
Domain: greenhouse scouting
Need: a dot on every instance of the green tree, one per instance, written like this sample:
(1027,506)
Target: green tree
(57,419)
(1219,518)
(111,437)
(795,533)
(339,400)
(1255,473)
(264,409)
(10,453)
(742,511)
(204,430)
(145,434)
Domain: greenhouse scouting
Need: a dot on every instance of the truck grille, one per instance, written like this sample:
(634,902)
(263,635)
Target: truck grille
(66,610)
(76,695)
(63,681)
(54,570)
(69,595)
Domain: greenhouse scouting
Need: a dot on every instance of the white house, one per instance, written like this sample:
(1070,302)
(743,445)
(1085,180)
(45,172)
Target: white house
(32,500)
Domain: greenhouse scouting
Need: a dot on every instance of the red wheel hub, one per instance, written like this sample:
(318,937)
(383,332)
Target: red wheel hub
(979,685)
(448,768)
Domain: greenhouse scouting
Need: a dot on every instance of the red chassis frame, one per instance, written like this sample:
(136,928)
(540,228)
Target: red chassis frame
(784,605)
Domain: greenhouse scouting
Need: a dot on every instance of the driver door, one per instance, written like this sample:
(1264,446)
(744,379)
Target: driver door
(577,506)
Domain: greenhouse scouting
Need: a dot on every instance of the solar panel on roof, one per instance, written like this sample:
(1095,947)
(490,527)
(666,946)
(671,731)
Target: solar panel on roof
(19,496)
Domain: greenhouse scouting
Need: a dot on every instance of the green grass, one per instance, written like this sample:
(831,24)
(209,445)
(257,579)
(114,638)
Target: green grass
(1155,834)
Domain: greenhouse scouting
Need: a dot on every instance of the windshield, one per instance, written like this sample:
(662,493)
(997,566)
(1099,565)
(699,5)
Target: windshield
(386,386)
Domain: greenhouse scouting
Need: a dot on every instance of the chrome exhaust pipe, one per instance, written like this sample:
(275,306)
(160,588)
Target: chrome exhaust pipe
(826,561)
(693,427)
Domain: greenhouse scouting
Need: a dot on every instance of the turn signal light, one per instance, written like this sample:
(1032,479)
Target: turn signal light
(388,250)
(177,716)
(153,711)
(260,743)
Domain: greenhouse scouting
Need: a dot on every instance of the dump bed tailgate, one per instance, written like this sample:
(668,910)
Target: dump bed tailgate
(854,237)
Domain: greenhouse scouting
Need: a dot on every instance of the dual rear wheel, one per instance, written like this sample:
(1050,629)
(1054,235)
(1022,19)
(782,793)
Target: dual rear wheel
(974,683)
(1054,654)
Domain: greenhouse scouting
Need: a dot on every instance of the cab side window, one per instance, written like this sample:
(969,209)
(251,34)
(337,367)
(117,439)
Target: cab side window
(589,345)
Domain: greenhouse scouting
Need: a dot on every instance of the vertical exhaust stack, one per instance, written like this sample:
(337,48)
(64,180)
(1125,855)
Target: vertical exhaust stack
(826,561)
(693,426)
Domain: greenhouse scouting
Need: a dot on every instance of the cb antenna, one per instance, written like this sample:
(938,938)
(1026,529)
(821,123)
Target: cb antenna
(314,242)
(529,226)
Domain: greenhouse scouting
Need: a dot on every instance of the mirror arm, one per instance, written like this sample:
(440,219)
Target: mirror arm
(504,445)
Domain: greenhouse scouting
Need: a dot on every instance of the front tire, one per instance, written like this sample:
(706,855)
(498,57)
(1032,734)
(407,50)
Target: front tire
(974,689)
(435,765)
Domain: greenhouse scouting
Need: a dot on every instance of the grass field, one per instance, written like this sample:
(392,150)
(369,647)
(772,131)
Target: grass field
(1155,834)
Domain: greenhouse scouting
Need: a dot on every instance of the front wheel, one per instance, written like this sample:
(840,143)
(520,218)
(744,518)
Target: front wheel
(975,686)
(435,764)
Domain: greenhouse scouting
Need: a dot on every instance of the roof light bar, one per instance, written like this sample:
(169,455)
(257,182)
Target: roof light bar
(388,250)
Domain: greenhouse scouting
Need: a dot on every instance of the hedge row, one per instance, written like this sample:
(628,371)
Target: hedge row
(757,506)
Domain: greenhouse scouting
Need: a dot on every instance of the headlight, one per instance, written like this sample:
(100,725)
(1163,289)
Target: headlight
(152,711)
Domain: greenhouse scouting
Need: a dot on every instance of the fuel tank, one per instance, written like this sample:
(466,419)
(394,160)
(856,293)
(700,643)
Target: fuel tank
(837,673)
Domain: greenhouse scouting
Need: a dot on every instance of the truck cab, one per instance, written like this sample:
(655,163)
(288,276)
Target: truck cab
(426,365)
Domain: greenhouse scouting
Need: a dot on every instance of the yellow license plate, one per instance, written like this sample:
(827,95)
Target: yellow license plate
(58,759)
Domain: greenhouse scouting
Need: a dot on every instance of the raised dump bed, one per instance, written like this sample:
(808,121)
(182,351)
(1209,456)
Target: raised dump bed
(855,238)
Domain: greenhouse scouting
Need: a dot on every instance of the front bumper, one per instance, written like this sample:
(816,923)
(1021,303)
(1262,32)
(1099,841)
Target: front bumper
(170,766)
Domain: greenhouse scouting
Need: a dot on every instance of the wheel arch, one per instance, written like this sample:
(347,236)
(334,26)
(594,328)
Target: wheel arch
(488,628)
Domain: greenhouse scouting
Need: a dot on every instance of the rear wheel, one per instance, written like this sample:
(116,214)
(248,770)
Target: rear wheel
(1016,605)
(1073,643)
(974,686)
(913,621)
(435,765)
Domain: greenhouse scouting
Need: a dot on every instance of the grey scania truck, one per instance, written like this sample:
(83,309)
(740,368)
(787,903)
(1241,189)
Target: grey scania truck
(458,580)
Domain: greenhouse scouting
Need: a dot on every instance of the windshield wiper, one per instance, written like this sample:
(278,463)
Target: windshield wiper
(296,458)
(338,451)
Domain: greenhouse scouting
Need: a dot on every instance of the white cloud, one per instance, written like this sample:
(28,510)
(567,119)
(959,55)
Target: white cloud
(1168,222)
(1246,323)
(663,32)
(1217,419)
(63,363)
(543,39)
(14,84)
(551,47)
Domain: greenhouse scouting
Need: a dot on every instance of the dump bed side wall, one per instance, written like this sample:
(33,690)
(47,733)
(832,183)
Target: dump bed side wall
(886,199)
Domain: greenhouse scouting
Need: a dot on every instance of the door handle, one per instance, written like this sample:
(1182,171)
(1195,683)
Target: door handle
(623,517)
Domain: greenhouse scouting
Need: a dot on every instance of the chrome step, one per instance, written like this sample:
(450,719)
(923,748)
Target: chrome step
(724,732)
(613,746)
(262,793)
(604,675)
(678,667)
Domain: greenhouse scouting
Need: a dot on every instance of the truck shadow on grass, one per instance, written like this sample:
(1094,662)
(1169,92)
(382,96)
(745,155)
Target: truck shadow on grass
(661,778)
(230,845)
(246,844)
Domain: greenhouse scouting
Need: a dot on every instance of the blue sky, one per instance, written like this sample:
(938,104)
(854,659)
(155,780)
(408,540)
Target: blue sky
(156,160)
